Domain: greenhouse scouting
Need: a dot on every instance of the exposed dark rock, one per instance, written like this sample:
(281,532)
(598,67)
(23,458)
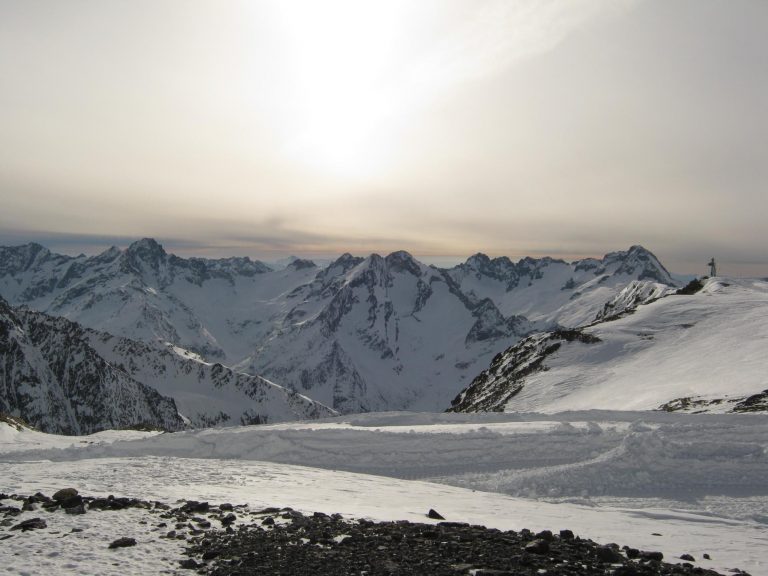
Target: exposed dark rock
(692,287)
(193,507)
(538,546)
(123,543)
(228,519)
(435,515)
(77,509)
(608,554)
(322,545)
(494,387)
(31,524)
(65,494)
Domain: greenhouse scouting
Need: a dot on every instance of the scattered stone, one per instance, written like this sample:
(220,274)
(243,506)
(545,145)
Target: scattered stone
(268,511)
(626,570)
(193,507)
(323,545)
(31,524)
(71,502)
(65,494)
(229,519)
(608,554)
(631,553)
(706,557)
(538,546)
(79,509)
(123,543)
(435,515)
(10,510)
(657,556)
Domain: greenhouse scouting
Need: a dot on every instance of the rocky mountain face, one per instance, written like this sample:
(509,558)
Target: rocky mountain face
(382,333)
(375,333)
(53,379)
(693,352)
(63,378)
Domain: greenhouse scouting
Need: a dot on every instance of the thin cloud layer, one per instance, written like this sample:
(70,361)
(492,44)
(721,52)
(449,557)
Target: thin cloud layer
(441,127)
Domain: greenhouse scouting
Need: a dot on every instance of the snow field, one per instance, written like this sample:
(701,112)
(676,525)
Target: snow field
(701,481)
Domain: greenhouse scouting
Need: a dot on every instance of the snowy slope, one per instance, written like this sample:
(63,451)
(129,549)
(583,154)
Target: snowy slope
(206,394)
(677,483)
(63,378)
(699,352)
(361,334)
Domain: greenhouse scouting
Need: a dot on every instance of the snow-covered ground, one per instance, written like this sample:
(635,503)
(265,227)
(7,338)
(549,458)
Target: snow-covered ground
(677,483)
(703,352)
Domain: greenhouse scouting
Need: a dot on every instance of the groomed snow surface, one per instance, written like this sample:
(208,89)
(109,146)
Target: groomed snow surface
(677,483)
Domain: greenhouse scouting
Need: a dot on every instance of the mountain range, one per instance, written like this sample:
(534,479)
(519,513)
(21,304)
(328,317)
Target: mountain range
(361,334)
(66,379)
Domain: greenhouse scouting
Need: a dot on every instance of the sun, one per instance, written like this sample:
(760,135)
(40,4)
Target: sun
(344,64)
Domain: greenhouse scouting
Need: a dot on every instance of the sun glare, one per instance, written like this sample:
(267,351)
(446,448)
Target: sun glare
(344,62)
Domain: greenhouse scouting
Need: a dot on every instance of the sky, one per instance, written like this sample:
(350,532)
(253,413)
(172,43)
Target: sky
(566,128)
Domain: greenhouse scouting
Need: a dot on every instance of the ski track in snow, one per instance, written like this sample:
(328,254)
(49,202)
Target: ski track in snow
(701,481)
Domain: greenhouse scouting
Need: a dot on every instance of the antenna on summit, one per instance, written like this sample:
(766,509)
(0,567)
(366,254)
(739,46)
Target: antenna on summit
(712,267)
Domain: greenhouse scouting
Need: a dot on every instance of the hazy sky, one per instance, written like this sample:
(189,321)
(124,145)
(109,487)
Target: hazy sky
(443,127)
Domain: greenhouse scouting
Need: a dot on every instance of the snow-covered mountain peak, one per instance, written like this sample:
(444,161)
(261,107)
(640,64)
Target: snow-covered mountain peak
(146,257)
(146,247)
(342,265)
(381,332)
(638,263)
(479,265)
(18,259)
(402,261)
(301,264)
